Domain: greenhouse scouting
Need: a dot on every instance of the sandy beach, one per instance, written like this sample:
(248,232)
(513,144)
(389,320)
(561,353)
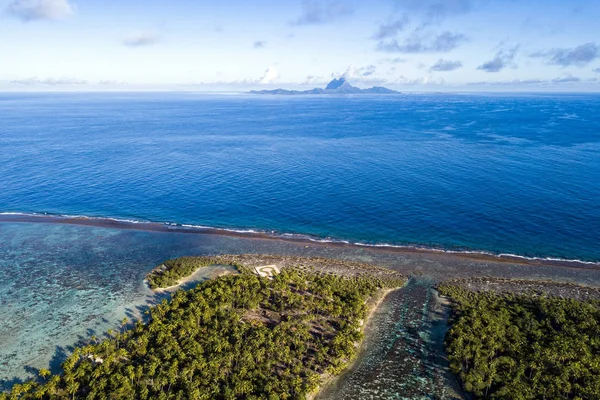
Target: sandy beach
(201,274)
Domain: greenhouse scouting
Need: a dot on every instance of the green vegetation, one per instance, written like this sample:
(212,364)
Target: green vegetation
(523,346)
(235,337)
(170,272)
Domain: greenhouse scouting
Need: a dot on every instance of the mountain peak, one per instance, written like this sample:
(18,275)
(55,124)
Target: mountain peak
(336,83)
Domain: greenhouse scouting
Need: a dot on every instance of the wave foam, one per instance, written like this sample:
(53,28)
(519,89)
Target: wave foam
(298,236)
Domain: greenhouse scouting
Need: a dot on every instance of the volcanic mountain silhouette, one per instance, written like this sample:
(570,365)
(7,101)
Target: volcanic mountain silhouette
(336,86)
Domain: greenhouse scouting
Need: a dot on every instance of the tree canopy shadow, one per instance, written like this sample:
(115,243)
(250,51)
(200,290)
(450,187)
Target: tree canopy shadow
(6,384)
(59,356)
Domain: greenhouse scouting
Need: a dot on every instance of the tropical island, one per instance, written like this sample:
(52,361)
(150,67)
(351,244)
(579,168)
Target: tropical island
(283,327)
(336,86)
(275,335)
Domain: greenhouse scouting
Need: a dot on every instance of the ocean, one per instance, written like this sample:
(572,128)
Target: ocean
(516,174)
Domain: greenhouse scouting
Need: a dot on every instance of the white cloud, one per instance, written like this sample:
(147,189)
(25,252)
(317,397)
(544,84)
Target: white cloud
(568,79)
(270,76)
(427,80)
(435,11)
(351,72)
(361,75)
(419,43)
(503,59)
(31,10)
(141,38)
(49,81)
(313,80)
(578,56)
(445,65)
(354,73)
(111,82)
(322,11)
(391,28)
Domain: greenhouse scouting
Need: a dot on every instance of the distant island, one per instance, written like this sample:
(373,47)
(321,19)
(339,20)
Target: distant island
(336,86)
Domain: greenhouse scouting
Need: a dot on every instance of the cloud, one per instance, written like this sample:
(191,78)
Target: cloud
(368,70)
(517,82)
(395,60)
(50,81)
(445,65)
(390,29)
(503,59)
(500,83)
(596,70)
(579,56)
(365,75)
(566,79)
(111,82)
(416,43)
(371,81)
(141,38)
(259,44)
(434,11)
(271,75)
(530,81)
(312,80)
(425,80)
(32,10)
(352,72)
(315,12)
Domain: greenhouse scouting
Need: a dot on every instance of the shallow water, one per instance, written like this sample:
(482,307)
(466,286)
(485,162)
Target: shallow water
(502,173)
(403,354)
(62,284)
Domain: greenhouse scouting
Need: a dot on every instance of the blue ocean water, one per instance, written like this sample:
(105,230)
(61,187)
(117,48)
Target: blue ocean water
(513,174)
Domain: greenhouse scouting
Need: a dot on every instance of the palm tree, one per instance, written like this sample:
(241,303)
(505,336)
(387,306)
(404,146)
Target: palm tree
(44,373)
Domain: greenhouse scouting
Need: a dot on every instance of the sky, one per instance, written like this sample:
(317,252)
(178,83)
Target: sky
(420,45)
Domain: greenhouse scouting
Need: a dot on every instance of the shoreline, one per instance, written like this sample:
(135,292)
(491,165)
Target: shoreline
(197,275)
(464,255)
(373,305)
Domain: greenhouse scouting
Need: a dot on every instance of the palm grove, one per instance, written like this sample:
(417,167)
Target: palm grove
(507,346)
(238,336)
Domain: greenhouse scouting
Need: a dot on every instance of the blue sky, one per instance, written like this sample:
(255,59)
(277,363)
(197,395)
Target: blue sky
(236,45)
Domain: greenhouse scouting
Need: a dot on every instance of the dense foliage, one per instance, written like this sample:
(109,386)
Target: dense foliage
(170,272)
(238,336)
(523,346)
